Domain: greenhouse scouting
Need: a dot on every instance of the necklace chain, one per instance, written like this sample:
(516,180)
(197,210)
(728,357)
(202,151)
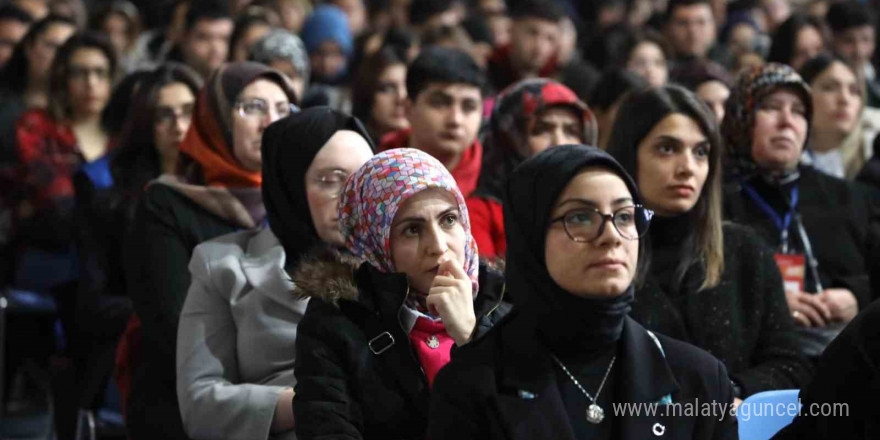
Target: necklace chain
(578,384)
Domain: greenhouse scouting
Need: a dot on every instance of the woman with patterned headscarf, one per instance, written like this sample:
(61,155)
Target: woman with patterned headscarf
(386,311)
(824,229)
(529,117)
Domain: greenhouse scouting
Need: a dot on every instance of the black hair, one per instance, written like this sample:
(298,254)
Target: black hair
(670,8)
(478,29)
(849,14)
(784,43)
(14,76)
(242,25)
(366,81)
(12,12)
(612,86)
(122,8)
(638,114)
(59,97)
(420,11)
(115,114)
(206,10)
(135,161)
(634,38)
(818,64)
(541,9)
(442,65)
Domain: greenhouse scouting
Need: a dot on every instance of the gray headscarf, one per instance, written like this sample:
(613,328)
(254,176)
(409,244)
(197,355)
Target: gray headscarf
(281,44)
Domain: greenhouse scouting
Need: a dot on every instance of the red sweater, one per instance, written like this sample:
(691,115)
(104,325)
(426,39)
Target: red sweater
(487,226)
(466,173)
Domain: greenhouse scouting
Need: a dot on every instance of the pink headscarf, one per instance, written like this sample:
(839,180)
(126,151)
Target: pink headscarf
(373,195)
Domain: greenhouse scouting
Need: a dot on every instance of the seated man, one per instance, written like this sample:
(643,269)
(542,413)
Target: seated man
(444,107)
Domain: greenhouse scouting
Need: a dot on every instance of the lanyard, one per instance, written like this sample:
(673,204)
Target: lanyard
(782,223)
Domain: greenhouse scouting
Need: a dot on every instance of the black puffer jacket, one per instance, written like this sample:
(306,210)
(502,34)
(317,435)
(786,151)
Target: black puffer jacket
(347,389)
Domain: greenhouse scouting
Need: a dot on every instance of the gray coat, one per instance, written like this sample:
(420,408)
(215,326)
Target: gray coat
(235,344)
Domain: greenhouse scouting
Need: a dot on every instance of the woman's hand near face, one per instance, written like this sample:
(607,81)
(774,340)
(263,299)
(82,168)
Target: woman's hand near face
(808,309)
(841,302)
(451,297)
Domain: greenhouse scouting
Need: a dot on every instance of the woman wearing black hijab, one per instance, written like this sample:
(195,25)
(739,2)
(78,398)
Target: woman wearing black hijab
(568,355)
(238,327)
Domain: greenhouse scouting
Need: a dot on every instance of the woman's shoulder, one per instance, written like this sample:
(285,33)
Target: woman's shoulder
(327,275)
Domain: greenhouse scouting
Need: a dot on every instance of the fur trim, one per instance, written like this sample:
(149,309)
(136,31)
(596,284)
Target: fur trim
(326,274)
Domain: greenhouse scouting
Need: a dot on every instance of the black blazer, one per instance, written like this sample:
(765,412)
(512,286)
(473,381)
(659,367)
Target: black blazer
(504,387)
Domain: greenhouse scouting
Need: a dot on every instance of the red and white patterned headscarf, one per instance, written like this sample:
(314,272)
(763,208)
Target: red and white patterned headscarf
(373,195)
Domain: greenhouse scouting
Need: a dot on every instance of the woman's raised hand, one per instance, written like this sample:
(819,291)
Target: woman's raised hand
(451,297)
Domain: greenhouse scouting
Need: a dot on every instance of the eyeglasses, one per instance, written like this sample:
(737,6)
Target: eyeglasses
(586,224)
(258,108)
(331,183)
(170,115)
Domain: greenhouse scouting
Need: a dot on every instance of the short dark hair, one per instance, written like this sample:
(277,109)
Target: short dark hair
(849,14)
(59,97)
(541,9)
(422,10)
(670,8)
(12,12)
(478,29)
(206,10)
(442,65)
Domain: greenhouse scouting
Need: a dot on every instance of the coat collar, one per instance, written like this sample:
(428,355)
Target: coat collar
(263,265)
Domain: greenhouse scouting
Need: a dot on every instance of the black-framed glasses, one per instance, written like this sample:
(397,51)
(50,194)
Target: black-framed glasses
(258,108)
(587,223)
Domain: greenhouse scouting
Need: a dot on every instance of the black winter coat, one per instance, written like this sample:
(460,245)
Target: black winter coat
(347,387)
(840,218)
(166,229)
(744,321)
(504,386)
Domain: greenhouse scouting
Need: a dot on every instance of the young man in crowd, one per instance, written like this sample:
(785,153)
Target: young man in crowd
(431,14)
(692,31)
(534,41)
(205,42)
(14,23)
(853,39)
(444,108)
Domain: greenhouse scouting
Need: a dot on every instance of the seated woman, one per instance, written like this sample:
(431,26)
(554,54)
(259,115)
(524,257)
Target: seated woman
(824,229)
(715,286)
(216,192)
(841,133)
(529,117)
(384,317)
(235,372)
(568,354)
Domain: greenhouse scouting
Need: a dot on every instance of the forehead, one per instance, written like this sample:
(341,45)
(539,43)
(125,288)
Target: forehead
(458,91)
(598,184)
(783,95)
(263,88)
(692,11)
(558,112)
(427,201)
(88,56)
(837,70)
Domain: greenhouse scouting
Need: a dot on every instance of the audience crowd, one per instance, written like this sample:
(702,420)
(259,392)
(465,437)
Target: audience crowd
(345,219)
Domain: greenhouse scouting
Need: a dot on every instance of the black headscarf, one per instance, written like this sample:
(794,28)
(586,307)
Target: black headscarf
(568,324)
(289,147)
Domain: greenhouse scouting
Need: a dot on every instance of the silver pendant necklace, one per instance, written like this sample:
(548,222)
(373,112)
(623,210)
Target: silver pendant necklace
(595,413)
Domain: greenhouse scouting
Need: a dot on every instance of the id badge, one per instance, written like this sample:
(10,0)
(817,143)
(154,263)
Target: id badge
(793,270)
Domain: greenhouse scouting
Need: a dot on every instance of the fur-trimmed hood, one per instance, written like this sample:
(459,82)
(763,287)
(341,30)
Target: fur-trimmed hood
(326,274)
